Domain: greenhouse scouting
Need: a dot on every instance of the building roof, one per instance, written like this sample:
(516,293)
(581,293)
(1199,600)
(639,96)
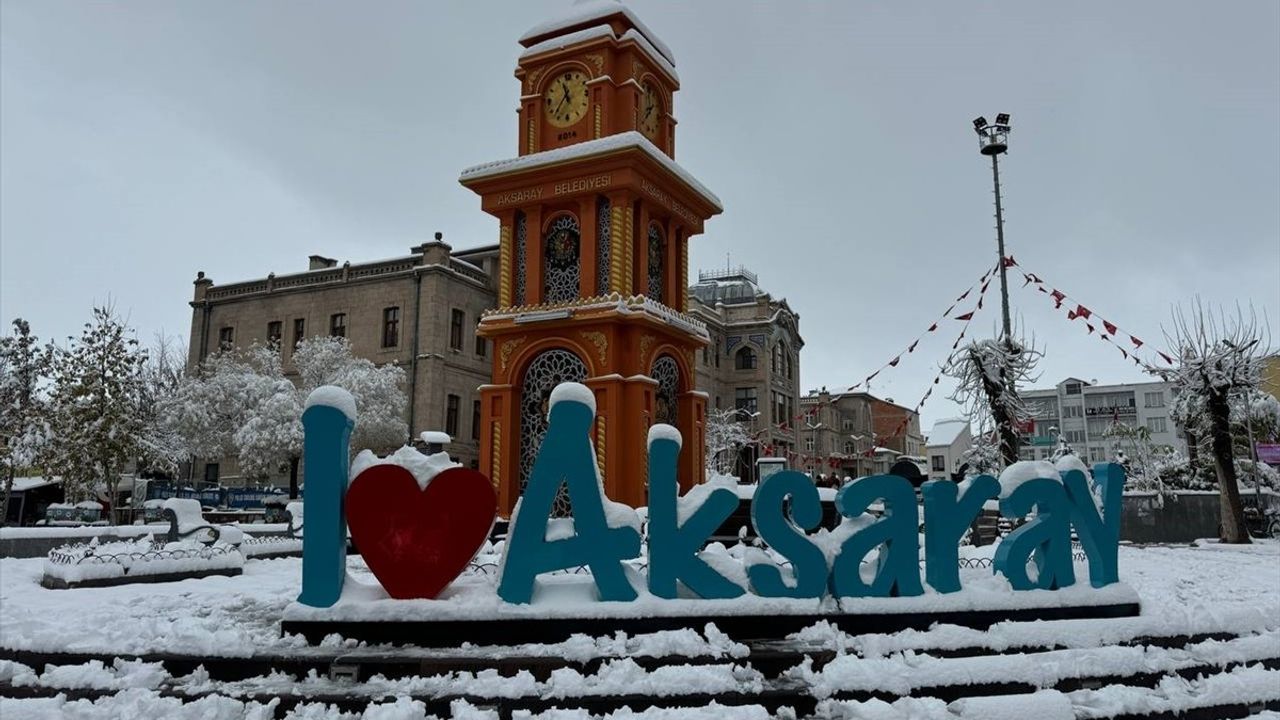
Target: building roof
(946,431)
(590,148)
(588,13)
(731,287)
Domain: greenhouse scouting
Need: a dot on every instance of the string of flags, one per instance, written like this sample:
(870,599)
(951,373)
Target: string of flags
(981,285)
(1129,345)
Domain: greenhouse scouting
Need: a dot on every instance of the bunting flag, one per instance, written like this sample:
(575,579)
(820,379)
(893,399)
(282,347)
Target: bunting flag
(965,295)
(932,327)
(979,303)
(1110,329)
(1009,262)
(912,347)
(894,362)
(966,316)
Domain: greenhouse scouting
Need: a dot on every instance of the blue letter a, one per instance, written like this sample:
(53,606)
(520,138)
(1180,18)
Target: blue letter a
(566,457)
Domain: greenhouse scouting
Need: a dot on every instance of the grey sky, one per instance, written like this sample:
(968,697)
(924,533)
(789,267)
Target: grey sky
(143,141)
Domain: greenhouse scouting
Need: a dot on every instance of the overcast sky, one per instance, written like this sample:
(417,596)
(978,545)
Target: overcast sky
(141,142)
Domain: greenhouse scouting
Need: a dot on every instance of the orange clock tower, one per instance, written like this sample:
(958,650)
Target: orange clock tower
(595,219)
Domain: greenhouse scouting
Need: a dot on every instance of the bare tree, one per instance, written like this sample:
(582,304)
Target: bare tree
(988,374)
(726,435)
(1218,358)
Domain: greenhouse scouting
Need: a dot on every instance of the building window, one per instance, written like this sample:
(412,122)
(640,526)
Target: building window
(456,320)
(717,352)
(1097,454)
(1027,454)
(226,338)
(451,416)
(211,473)
(744,399)
(808,443)
(1072,411)
(390,327)
(1074,436)
(1157,425)
(745,359)
(1073,388)
(299,330)
(848,448)
(338,325)
(938,463)
(1154,399)
(475,420)
(482,345)
(274,329)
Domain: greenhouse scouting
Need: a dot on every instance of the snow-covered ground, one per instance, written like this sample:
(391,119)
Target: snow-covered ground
(1201,588)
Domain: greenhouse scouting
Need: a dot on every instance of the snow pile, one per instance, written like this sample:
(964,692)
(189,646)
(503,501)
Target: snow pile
(1023,471)
(573,392)
(662,431)
(334,397)
(423,467)
(94,561)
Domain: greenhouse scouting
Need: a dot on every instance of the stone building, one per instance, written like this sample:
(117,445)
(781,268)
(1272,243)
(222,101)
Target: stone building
(752,363)
(417,311)
(856,433)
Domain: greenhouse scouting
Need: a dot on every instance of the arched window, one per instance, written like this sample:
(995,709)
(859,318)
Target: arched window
(667,373)
(561,274)
(775,365)
(547,370)
(745,359)
(657,254)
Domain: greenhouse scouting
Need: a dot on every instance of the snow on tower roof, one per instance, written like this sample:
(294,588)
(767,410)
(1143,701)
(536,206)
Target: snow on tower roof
(607,144)
(584,13)
(557,42)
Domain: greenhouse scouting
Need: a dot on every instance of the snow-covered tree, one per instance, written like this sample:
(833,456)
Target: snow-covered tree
(726,434)
(378,390)
(272,436)
(161,448)
(1218,358)
(1142,459)
(208,407)
(96,411)
(24,427)
(988,374)
(983,455)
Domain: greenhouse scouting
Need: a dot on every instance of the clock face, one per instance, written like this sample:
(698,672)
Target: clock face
(650,112)
(566,98)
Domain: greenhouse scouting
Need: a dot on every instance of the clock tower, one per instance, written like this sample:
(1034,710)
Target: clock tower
(595,218)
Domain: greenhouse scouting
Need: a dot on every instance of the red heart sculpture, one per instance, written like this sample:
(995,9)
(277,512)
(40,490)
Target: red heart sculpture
(418,541)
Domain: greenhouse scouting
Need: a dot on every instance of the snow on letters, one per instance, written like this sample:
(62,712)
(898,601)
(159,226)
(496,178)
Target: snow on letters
(866,557)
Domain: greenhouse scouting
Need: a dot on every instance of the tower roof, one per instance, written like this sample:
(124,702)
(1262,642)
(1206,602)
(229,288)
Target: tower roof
(585,14)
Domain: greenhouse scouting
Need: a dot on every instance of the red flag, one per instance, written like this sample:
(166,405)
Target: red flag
(985,285)
(1166,357)
(913,346)
(1136,342)
(1041,289)
(1071,314)
(966,316)
(894,362)
(979,303)
(1125,353)
(936,379)
(1083,311)
(1058,297)
(872,375)
(1010,262)
(932,327)
(1110,328)
(965,295)
(1090,328)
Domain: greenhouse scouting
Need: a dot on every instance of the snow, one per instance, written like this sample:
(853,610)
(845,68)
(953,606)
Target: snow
(31,483)
(423,467)
(608,144)
(334,397)
(661,431)
(585,12)
(1023,471)
(435,437)
(1072,462)
(139,557)
(187,511)
(946,431)
(576,392)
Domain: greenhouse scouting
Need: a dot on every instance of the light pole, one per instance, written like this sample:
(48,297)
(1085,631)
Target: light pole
(993,140)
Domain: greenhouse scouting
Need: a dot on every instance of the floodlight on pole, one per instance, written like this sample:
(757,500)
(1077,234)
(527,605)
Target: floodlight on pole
(993,140)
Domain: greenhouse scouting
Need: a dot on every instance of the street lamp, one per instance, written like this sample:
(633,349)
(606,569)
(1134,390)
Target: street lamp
(993,140)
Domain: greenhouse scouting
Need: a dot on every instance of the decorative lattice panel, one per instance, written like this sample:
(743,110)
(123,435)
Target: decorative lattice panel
(548,369)
(522,234)
(602,246)
(667,373)
(657,254)
(561,269)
